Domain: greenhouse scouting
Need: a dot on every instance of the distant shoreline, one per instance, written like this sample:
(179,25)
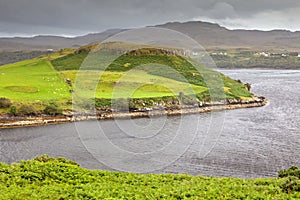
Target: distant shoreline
(18,122)
(256,68)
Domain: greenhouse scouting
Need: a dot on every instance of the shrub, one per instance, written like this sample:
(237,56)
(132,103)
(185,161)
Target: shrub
(292,171)
(248,86)
(13,110)
(52,109)
(291,179)
(102,103)
(5,103)
(181,95)
(87,105)
(120,104)
(290,184)
(27,110)
(46,158)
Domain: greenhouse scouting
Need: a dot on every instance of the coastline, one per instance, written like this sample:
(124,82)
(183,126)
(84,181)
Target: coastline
(18,122)
(256,68)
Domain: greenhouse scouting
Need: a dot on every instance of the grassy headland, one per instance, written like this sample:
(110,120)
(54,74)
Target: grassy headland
(47,83)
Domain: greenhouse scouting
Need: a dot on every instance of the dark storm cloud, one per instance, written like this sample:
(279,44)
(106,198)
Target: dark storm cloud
(79,16)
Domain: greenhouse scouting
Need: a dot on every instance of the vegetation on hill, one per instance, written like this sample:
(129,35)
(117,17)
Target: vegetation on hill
(152,62)
(57,178)
(69,62)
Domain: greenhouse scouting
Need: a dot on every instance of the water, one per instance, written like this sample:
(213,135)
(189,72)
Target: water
(254,142)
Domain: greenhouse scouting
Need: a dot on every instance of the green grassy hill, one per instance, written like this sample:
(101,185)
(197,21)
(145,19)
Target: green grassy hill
(42,81)
(49,178)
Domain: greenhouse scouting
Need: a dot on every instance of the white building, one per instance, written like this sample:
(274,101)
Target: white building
(264,54)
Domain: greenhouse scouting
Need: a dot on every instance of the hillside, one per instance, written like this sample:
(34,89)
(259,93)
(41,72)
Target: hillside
(57,178)
(12,57)
(43,43)
(213,36)
(162,77)
(209,35)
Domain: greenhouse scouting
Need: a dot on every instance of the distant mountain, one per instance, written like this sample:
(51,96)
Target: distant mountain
(209,35)
(44,43)
(212,35)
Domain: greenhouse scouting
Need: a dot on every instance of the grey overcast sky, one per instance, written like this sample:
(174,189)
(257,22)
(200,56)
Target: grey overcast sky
(78,17)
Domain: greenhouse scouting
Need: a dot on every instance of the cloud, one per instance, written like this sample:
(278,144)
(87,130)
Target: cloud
(261,21)
(27,30)
(78,16)
(221,10)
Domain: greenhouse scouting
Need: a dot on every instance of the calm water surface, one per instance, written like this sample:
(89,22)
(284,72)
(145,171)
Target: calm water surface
(255,142)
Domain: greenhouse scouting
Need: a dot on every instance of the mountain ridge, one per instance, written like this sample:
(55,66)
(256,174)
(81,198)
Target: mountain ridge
(209,35)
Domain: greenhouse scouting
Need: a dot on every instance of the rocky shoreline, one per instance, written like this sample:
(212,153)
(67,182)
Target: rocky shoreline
(15,122)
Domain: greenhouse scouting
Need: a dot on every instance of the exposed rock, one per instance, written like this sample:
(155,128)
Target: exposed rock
(12,122)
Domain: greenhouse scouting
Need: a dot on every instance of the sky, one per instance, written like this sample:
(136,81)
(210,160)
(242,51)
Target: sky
(79,17)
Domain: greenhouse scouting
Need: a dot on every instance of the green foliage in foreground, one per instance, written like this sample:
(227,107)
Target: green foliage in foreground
(49,178)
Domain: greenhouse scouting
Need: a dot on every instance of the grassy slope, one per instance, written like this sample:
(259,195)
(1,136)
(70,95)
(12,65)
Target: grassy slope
(150,85)
(183,71)
(48,178)
(35,79)
(32,80)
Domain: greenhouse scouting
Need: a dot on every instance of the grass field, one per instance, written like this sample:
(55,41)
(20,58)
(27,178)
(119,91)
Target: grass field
(48,178)
(32,80)
(133,84)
